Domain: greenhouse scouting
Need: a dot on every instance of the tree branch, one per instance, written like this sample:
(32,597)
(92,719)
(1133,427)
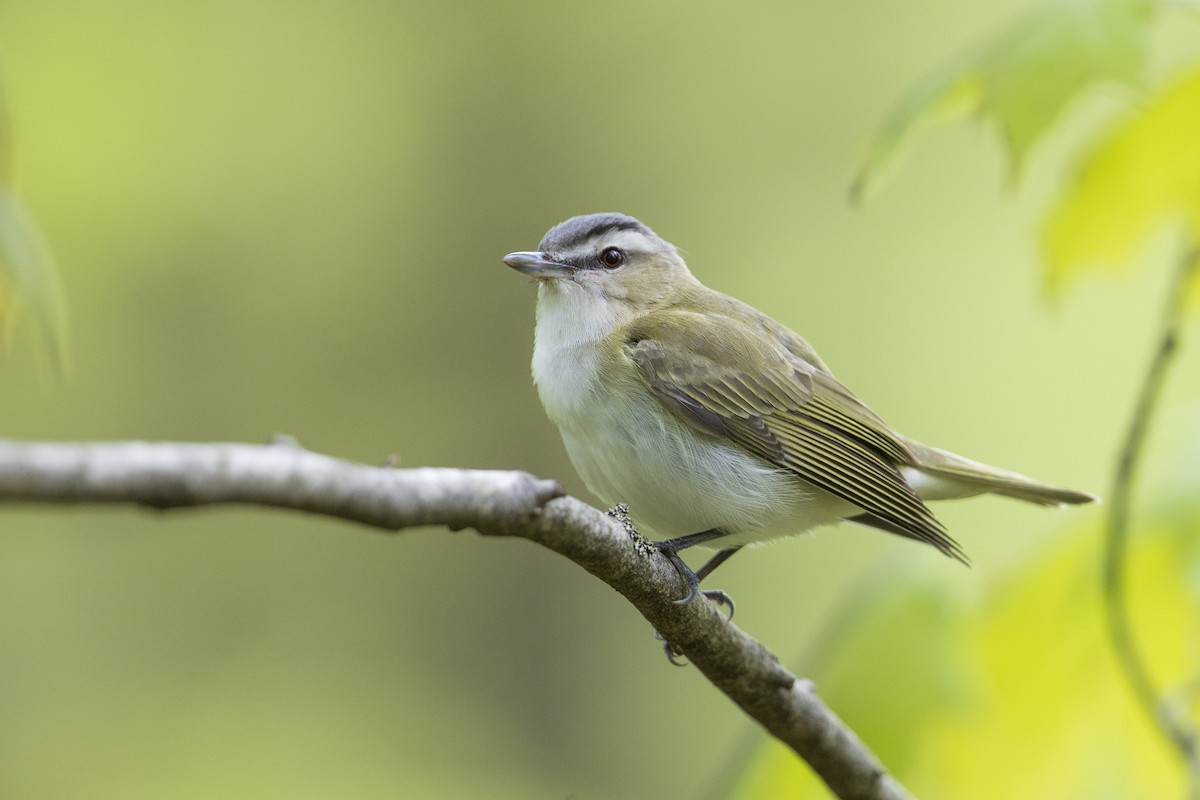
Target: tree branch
(1175,730)
(282,475)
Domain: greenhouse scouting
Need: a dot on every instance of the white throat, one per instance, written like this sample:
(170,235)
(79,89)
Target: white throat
(571,324)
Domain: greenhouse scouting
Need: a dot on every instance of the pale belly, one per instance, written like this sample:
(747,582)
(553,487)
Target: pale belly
(677,481)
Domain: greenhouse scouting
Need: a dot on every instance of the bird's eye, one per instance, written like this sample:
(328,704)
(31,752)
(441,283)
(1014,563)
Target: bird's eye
(612,257)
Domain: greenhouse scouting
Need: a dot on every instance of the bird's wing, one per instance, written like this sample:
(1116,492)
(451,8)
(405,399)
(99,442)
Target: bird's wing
(722,380)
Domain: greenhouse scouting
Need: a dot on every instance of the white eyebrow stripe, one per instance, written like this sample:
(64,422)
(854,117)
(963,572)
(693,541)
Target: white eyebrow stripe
(626,240)
(634,241)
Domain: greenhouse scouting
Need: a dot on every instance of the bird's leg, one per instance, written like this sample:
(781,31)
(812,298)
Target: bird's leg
(717,596)
(720,558)
(671,547)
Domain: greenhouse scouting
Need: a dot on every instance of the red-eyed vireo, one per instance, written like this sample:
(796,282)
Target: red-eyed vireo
(714,423)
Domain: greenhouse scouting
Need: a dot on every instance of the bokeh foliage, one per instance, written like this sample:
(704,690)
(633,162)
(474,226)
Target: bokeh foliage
(1022,78)
(1009,690)
(1074,727)
(1134,183)
(28,277)
(288,217)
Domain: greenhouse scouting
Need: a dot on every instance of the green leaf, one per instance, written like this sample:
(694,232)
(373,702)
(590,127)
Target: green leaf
(1022,78)
(1143,175)
(28,278)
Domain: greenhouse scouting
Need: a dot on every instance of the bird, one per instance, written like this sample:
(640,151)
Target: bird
(714,424)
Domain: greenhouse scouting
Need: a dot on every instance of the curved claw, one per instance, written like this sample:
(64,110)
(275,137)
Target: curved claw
(690,597)
(720,597)
(673,654)
(685,572)
(715,596)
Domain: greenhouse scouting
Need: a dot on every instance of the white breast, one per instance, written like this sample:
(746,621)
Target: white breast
(628,448)
(571,323)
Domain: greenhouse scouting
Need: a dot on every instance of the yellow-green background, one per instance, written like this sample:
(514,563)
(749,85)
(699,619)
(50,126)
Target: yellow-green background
(288,217)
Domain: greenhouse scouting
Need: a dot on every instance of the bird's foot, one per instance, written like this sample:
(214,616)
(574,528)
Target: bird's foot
(692,580)
(674,654)
(715,596)
(721,599)
(670,549)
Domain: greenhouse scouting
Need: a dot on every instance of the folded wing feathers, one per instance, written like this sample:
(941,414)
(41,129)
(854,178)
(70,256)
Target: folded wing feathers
(806,430)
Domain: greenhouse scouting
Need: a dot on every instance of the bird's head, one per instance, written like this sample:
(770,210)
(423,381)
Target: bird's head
(613,257)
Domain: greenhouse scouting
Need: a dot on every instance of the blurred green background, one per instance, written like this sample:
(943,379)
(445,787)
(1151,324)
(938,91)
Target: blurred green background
(289,217)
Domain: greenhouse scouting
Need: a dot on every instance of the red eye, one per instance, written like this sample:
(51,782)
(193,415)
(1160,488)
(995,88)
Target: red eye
(612,258)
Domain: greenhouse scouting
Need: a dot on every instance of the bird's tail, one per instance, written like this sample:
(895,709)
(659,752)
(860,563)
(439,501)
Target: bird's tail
(943,475)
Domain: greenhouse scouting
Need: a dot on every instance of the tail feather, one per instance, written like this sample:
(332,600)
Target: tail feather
(952,475)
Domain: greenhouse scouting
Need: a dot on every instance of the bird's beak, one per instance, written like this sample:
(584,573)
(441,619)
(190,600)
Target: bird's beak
(537,265)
